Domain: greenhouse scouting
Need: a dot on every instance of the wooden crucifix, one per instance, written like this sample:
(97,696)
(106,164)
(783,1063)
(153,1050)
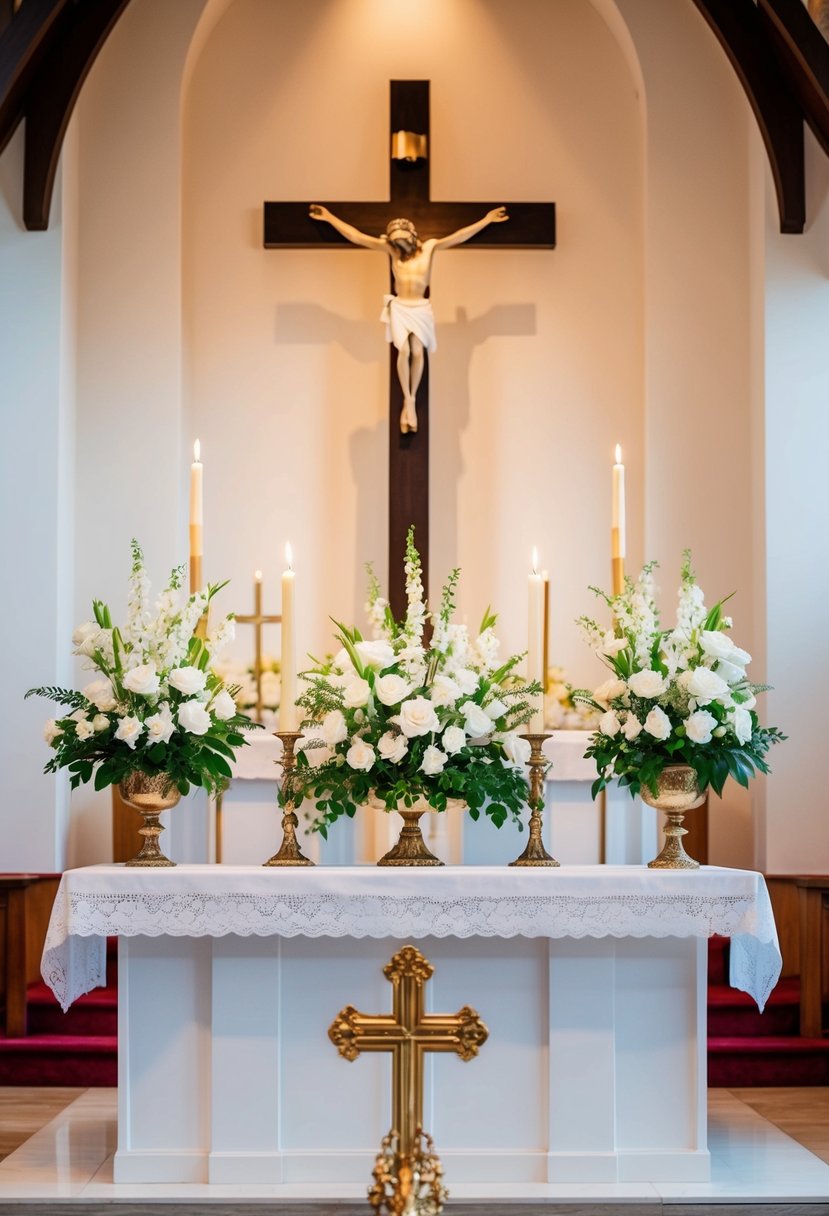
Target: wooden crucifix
(258,619)
(291,225)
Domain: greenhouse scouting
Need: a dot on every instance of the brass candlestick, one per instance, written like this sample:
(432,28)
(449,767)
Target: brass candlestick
(289,852)
(535,854)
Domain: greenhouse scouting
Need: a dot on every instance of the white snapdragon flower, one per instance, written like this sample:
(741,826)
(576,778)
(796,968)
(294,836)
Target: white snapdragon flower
(444,690)
(466,680)
(417,717)
(51,731)
(433,761)
(703,685)
(647,684)
(477,722)
(160,725)
(516,749)
(224,707)
(360,755)
(700,726)
(376,654)
(84,729)
(100,722)
(333,728)
(658,724)
(356,693)
(392,747)
(187,680)
(495,709)
(611,645)
(100,694)
(609,724)
(129,730)
(221,636)
(609,691)
(391,689)
(632,728)
(453,739)
(741,724)
(142,680)
(193,717)
(487,646)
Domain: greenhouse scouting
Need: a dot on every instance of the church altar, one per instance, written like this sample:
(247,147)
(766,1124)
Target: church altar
(615,828)
(591,980)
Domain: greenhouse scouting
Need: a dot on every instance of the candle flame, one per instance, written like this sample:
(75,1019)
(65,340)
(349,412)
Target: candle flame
(535,560)
(289,555)
(257,574)
(618,453)
(197,451)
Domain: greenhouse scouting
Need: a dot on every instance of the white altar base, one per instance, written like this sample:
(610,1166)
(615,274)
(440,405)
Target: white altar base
(615,828)
(595,1066)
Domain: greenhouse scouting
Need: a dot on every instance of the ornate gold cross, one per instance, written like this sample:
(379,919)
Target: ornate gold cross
(257,619)
(408,1033)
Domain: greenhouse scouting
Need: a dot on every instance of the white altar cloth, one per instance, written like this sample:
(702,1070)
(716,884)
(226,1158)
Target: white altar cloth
(458,901)
(592,981)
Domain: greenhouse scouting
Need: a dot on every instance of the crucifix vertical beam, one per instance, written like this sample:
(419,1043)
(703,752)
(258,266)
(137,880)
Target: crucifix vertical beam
(290,226)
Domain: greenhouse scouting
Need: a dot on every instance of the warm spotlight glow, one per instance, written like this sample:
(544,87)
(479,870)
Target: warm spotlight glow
(289,556)
(197,451)
(535,560)
(618,453)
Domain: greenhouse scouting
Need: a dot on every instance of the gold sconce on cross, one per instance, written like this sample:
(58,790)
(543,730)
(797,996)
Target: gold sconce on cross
(258,620)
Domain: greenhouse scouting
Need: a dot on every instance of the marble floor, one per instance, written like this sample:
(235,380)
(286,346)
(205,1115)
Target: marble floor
(754,1162)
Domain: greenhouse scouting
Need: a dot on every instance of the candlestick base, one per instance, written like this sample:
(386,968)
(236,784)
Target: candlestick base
(535,853)
(289,853)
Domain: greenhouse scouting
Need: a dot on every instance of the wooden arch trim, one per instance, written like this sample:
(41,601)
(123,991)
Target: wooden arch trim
(51,99)
(742,33)
(22,45)
(804,53)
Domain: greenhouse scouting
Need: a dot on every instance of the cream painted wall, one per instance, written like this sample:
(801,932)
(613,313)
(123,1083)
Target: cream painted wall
(540,363)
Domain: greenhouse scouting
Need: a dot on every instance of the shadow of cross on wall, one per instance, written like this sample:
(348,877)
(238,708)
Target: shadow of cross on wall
(304,323)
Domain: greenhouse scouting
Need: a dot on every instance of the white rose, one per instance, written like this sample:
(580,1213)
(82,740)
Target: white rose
(703,684)
(742,723)
(391,689)
(632,728)
(700,726)
(333,728)
(607,692)
(647,684)
(495,710)
(129,730)
(444,690)
(84,729)
(392,747)
(356,693)
(100,722)
(100,694)
(187,680)
(86,633)
(193,717)
(611,645)
(609,724)
(730,672)
(466,680)
(143,680)
(360,755)
(160,726)
(516,749)
(658,723)
(477,721)
(417,717)
(716,644)
(453,739)
(377,654)
(750,701)
(51,731)
(224,707)
(433,761)
(342,661)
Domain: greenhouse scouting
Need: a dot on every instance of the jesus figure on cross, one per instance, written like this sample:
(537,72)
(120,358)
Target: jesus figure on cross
(410,323)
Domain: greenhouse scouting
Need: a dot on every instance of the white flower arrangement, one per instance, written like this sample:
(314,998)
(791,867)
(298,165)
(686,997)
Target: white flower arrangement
(395,719)
(674,696)
(242,678)
(156,706)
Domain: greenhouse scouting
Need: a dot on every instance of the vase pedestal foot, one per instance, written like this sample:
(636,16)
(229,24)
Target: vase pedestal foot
(411,848)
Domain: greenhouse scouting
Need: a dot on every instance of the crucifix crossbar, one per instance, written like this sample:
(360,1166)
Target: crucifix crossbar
(290,226)
(408,1032)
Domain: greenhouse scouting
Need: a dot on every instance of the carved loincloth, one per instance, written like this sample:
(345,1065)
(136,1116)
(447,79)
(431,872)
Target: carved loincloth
(404,317)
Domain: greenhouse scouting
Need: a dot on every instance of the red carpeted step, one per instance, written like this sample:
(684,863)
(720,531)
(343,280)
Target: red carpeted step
(96,1013)
(718,956)
(767,1060)
(59,1060)
(733,1014)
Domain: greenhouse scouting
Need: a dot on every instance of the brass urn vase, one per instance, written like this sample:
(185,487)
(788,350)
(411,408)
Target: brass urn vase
(411,849)
(678,792)
(149,795)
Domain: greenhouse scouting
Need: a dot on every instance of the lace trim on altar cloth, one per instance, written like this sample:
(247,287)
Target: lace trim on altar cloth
(74,953)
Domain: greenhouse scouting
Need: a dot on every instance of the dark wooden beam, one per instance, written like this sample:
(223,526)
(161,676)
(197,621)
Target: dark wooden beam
(744,37)
(22,45)
(804,55)
(51,99)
